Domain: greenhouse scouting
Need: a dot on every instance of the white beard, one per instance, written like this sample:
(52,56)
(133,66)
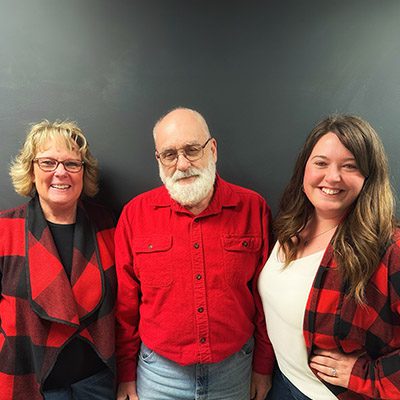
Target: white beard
(190,194)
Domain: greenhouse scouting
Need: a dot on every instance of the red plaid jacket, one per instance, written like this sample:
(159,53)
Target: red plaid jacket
(40,310)
(334,321)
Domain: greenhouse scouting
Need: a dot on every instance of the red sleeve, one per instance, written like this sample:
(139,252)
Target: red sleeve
(127,306)
(379,377)
(264,359)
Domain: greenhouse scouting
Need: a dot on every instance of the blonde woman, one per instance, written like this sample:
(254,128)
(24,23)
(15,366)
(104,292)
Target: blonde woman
(57,274)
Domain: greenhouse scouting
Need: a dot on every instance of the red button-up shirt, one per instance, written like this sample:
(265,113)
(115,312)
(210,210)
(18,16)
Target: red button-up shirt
(186,283)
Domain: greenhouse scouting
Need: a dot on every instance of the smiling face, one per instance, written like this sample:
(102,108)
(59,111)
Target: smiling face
(332,180)
(58,190)
(188,182)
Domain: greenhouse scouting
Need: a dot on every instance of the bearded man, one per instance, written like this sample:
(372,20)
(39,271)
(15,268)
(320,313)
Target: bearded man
(189,318)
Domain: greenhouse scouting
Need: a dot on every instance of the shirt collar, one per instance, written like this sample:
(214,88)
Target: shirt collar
(223,196)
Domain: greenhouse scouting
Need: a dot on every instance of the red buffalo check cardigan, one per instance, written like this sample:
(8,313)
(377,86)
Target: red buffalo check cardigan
(334,321)
(40,309)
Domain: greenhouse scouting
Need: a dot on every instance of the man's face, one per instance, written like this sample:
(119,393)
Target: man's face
(188,182)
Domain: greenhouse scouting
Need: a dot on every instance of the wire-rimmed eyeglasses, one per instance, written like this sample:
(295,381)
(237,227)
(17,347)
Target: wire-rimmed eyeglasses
(192,152)
(48,164)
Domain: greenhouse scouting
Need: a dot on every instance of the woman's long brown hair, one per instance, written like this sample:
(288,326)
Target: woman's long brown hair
(369,224)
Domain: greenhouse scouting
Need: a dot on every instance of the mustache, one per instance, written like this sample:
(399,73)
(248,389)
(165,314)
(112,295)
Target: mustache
(185,174)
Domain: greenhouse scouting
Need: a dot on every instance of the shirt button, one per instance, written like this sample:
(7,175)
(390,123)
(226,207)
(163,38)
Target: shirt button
(198,277)
(245,244)
(150,246)
(200,309)
(196,245)
(196,220)
(202,340)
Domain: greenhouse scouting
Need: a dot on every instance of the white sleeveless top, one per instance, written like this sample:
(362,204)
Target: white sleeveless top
(284,293)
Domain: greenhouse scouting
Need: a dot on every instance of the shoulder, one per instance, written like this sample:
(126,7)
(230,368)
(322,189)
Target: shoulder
(389,265)
(12,222)
(14,213)
(245,194)
(388,272)
(392,252)
(396,236)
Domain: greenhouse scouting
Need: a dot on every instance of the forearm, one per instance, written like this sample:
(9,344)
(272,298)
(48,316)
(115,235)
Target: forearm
(377,378)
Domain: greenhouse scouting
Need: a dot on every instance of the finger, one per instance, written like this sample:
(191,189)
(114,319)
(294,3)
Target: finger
(327,353)
(322,360)
(327,378)
(259,396)
(252,391)
(326,370)
(316,367)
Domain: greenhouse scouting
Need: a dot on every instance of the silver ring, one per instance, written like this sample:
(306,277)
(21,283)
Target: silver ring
(333,372)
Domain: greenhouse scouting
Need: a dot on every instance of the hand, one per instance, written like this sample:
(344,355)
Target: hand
(260,386)
(127,391)
(333,366)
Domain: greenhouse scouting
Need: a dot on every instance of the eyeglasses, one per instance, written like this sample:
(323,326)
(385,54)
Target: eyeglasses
(192,152)
(50,164)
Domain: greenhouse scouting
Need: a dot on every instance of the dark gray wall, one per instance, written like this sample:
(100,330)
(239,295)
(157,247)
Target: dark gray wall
(262,73)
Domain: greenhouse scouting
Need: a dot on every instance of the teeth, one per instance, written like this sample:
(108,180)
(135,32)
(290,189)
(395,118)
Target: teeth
(330,191)
(60,186)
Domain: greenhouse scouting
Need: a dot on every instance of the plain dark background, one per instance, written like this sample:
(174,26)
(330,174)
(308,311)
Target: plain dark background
(261,72)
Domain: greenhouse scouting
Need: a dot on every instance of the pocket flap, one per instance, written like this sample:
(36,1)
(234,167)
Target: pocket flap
(241,243)
(150,244)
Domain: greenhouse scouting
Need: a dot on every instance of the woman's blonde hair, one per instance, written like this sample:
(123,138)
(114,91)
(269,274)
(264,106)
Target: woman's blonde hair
(369,224)
(22,166)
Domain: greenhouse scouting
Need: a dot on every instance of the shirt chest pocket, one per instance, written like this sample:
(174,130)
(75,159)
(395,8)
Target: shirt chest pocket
(153,259)
(241,256)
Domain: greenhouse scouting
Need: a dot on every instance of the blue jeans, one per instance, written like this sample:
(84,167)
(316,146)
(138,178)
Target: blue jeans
(283,389)
(99,386)
(160,378)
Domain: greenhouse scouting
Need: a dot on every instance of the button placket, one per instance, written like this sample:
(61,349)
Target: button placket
(200,300)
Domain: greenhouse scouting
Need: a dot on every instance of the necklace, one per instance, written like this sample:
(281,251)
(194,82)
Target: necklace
(307,241)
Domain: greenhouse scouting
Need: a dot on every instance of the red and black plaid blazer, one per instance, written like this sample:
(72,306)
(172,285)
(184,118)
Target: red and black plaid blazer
(334,321)
(40,309)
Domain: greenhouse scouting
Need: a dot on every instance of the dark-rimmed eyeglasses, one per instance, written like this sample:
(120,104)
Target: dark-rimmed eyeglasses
(47,164)
(192,152)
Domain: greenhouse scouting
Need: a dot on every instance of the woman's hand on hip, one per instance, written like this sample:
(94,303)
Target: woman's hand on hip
(333,366)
